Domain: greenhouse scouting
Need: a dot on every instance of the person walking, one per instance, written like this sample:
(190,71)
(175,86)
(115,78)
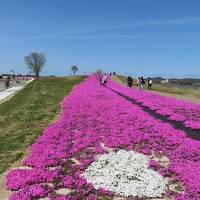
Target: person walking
(129,81)
(138,83)
(150,83)
(100,76)
(7,82)
(104,79)
(142,82)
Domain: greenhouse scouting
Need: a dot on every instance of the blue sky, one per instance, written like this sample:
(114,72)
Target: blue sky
(147,37)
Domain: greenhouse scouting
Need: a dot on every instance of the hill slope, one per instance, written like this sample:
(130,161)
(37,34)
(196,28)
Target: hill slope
(24,117)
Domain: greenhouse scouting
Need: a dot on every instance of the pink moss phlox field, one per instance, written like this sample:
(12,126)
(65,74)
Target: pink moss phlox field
(93,115)
(174,109)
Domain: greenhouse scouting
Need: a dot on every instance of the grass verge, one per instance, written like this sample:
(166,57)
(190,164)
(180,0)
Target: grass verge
(24,117)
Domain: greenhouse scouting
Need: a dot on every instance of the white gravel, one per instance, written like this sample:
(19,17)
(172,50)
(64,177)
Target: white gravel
(125,173)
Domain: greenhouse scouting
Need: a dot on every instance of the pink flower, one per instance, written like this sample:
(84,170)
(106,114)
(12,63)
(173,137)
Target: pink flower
(95,120)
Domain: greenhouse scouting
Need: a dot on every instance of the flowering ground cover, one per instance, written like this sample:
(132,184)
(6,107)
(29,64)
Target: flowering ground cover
(175,110)
(95,122)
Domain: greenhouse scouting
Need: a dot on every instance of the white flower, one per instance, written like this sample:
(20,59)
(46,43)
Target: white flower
(125,173)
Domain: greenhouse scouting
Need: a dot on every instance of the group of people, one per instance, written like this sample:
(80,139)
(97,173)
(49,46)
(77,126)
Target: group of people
(140,82)
(103,77)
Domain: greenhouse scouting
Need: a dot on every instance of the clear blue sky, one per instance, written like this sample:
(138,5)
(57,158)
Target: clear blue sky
(127,36)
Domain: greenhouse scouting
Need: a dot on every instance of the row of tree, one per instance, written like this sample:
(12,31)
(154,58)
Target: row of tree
(36,61)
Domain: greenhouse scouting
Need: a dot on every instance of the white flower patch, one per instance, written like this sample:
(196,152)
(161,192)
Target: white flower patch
(125,173)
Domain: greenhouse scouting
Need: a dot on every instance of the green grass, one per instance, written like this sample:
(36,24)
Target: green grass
(24,117)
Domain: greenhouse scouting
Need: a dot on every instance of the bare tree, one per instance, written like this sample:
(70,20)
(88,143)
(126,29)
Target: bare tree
(74,69)
(35,62)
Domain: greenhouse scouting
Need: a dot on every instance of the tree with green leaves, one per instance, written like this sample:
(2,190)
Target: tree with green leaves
(74,69)
(35,62)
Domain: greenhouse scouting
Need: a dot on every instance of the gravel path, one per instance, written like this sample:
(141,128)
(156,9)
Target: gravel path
(7,93)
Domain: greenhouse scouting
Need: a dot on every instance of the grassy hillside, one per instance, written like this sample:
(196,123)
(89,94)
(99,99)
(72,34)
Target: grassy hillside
(190,93)
(24,117)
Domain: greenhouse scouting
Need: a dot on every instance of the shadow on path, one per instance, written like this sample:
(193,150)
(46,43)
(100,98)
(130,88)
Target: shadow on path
(194,134)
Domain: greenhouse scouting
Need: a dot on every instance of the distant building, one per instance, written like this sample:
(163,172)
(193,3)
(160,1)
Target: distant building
(164,81)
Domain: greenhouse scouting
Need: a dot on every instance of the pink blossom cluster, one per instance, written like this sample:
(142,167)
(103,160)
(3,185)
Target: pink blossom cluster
(93,115)
(174,109)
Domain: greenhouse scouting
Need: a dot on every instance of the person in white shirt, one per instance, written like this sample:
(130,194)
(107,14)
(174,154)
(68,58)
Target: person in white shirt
(139,83)
(104,79)
(150,83)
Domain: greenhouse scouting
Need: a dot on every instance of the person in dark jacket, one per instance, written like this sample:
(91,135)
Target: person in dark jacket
(129,81)
(7,82)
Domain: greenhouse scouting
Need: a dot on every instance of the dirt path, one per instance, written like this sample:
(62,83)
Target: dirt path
(4,193)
